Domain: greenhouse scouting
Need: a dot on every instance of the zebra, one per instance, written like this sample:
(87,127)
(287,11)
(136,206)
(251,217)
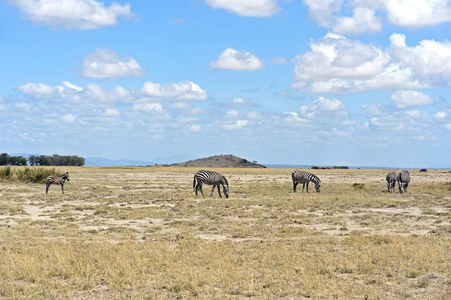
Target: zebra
(403,180)
(210,178)
(304,178)
(56,180)
(391,180)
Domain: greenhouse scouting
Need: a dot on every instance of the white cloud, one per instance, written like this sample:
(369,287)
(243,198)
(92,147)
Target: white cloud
(279,60)
(112,112)
(25,136)
(107,64)
(73,14)
(430,60)
(69,92)
(242,103)
(405,99)
(241,60)
(440,115)
(69,118)
(38,90)
(238,125)
(418,13)
(186,90)
(364,20)
(232,113)
(324,108)
(195,128)
(367,14)
(247,8)
(23,106)
(148,107)
(337,65)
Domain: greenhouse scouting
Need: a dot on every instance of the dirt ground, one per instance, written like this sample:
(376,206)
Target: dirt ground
(148,205)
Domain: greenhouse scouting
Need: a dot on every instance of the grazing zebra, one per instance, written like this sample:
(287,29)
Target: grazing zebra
(211,178)
(304,178)
(56,180)
(391,180)
(403,180)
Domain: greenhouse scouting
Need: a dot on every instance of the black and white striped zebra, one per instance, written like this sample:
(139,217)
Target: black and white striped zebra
(391,181)
(304,178)
(56,180)
(211,178)
(403,180)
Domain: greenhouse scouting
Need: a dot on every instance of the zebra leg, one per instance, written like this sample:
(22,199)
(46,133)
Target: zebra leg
(219,191)
(62,188)
(200,188)
(213,189)
(294,186)
(47,188)
(303,187)
(307,186)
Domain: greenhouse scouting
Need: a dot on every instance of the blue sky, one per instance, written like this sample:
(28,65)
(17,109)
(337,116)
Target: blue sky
(358,83)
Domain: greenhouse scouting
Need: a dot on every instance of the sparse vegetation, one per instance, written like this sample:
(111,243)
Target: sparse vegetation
(141,233)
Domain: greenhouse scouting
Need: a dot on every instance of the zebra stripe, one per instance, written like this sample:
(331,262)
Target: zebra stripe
(211,178)
(403,180)
(391,180)
(56,180)
(304,178)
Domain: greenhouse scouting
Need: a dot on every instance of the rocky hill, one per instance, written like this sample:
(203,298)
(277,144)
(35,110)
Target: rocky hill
(220,161)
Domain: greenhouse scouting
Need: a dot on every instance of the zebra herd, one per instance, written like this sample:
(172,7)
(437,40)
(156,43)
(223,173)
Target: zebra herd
(216,179)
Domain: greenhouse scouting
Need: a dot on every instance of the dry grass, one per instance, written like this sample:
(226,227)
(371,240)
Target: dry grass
(141,233)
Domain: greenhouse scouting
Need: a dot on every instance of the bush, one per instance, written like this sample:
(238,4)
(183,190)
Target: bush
(359,186)
(6,173)
(34,175)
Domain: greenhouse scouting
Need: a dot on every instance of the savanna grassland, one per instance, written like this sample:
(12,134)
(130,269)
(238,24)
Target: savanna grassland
(141,233)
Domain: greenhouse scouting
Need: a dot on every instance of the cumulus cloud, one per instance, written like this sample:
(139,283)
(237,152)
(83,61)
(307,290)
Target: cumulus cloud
(195,128)
(337,65)
(238,125)
(406,99)
(69,118)
(112,112)
(248,8)
(323,107)
(241,60)
(73,14)
(242,103)
(364,20)
(69,92)
(38,90)
(107,64)
(186,90)
(148,107)
(418,13)
(368,15)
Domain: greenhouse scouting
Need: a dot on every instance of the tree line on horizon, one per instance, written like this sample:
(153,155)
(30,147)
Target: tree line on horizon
(41,160)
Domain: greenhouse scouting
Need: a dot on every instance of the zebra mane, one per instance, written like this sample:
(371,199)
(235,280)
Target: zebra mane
(225,180)
(315,179)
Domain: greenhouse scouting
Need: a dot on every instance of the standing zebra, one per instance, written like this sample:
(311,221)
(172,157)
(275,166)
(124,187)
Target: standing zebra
(391,180)
(304,178)
(56,180)
(403,180)
(210,178)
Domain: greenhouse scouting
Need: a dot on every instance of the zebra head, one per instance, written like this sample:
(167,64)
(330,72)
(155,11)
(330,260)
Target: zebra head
(66,176)
(318,186)
(226,190)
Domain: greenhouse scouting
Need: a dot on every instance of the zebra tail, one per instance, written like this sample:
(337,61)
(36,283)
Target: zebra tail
(194,182)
